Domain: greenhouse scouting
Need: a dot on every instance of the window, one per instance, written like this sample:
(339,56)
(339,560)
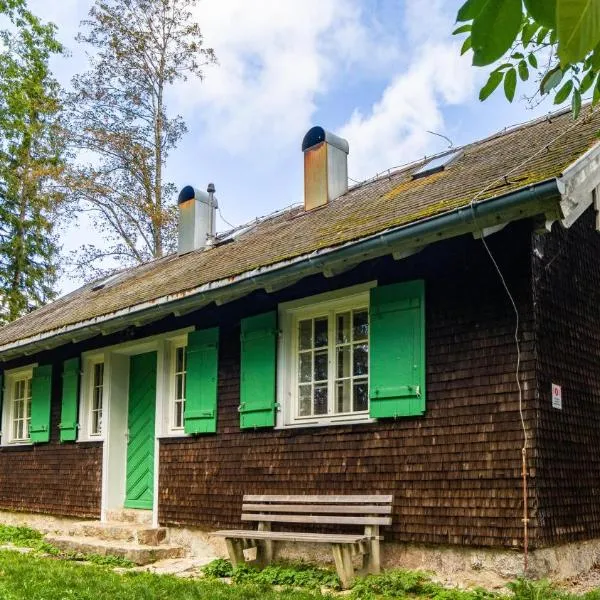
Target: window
(326,359)
(178,387)
(97,394)
(17,407)
(21,409)
(93,411)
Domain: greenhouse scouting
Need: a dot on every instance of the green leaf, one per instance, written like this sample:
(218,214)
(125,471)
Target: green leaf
(595,59)
(495,29)
(523,71)
(462,29)
(551,79)
(587,81)
(564,92)
(470,9)
(576,103)
(492,83)
(596,95)
(542,33)
(510,84)
(533,60)
(527,33)
(578,28)
(543,11)
(466,46)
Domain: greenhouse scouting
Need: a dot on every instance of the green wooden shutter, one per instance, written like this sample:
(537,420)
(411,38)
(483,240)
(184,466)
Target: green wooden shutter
(201,381)
(397,350)
(41,393)
(258,371)
(70,395)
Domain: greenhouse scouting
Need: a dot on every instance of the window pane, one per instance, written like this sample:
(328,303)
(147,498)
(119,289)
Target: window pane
(343,328)
(320,400)
(361,325)
(305,367)
(343,362)
(361,360)
(179,386)
(321,332)
(361,396)
(179,414)
(179,358)
(321,366)
(305,335)
(304,400)
(343,401)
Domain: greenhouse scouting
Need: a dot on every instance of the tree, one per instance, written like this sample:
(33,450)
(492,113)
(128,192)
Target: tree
(31,161)
(120,123)
(557,39)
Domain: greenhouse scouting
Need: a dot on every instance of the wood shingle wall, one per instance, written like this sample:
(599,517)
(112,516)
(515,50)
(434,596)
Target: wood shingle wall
(566,283)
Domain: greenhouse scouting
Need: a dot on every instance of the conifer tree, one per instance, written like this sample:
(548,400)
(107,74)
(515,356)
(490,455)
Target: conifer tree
(31,161)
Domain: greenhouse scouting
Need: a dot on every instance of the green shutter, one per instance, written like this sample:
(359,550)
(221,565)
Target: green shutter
(70,394)
(41,393)
(397,350)
(201,381)
(258,369)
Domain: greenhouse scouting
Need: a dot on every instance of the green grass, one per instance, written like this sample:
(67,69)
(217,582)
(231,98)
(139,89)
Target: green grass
(33,577)
(25,537)
(26,577)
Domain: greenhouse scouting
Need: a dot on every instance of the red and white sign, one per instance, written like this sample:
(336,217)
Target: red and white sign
(556,396)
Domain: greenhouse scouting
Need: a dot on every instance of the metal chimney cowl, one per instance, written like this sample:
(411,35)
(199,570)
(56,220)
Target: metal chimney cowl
(197,218)
(325,167)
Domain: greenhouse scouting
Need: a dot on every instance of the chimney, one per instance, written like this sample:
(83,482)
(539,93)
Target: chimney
(197,218)
(325,167)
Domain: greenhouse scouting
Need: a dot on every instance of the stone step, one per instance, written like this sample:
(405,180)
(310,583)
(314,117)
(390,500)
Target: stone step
(115,530)
(137,553)
(130,515)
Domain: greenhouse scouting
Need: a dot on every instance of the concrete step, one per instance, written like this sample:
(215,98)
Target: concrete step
(140,554)
(115,530)
(130,515)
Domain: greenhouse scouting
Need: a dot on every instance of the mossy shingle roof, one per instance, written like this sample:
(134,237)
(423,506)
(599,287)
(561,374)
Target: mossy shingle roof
(510,160)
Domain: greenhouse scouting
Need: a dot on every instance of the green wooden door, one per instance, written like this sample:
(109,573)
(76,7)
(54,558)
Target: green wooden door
(141,415)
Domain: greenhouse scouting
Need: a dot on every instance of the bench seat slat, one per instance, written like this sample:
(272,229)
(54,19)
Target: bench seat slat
(365,509)
(323,519)
(290,536)
(300,499)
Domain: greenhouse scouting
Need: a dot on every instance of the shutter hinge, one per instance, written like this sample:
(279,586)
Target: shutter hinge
(241,407)
(418,391)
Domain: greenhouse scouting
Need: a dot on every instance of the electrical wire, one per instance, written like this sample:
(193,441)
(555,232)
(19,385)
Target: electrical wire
(517,326)
(224,219)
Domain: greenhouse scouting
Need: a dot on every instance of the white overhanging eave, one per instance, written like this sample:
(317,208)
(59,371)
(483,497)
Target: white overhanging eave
(577,185)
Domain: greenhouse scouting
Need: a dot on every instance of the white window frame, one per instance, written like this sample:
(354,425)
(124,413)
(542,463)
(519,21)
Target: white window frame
(169,428)
(290,313)
(10,377)
(87,398)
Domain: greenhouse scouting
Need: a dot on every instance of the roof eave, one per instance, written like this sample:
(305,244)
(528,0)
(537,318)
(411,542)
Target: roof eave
(537,199)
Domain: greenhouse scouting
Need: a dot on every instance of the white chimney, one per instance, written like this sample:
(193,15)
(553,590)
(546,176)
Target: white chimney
(325,167)
(197,218)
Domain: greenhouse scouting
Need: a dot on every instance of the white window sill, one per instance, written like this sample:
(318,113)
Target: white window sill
(15,444)
(331,422)
(174,434)
(88,440)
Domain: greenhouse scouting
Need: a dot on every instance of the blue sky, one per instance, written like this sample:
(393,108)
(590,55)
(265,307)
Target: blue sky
(379,72)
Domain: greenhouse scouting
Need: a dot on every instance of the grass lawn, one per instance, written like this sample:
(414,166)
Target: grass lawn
(25,577)
(35,577)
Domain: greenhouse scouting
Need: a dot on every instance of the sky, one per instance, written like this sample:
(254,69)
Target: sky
(381,73)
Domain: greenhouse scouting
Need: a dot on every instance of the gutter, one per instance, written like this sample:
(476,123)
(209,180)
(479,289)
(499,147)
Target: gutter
(540,198)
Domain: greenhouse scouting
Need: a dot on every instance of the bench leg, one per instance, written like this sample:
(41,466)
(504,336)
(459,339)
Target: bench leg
(236,552)
(265,549)
(343,563)
(372,560)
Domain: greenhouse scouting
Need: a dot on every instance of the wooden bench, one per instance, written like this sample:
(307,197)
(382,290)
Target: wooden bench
(368,511)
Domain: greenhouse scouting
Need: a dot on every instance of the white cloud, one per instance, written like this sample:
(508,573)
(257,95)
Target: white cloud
(395,129)
(276,59)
